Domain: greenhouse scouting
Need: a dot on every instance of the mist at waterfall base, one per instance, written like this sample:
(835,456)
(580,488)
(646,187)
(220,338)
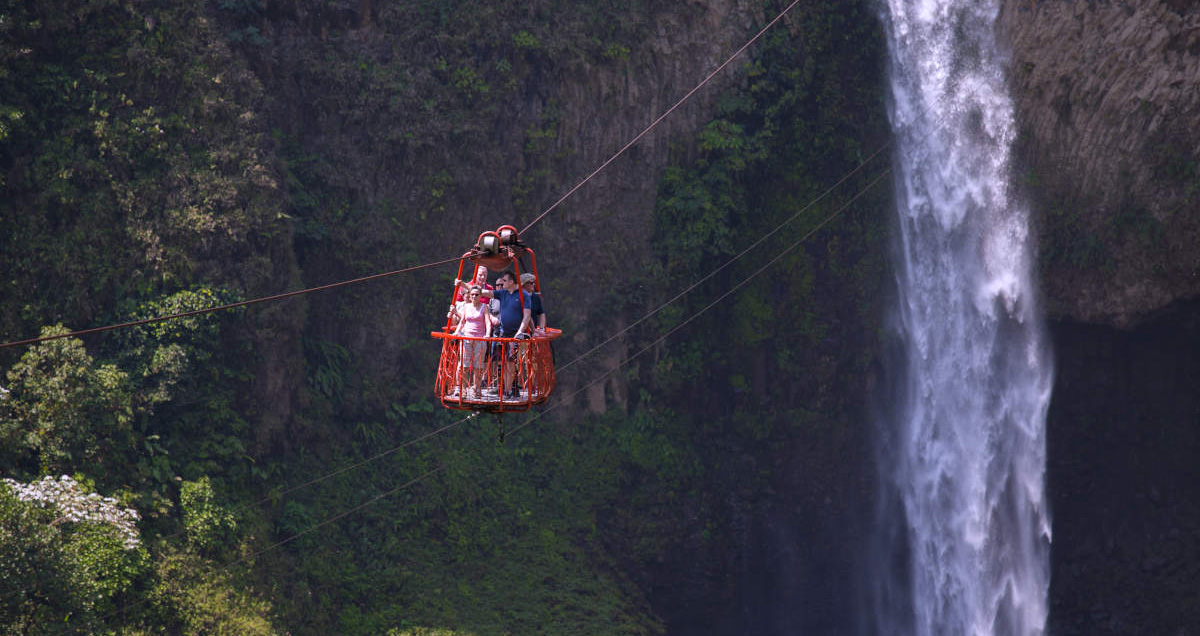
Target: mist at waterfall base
(962,530)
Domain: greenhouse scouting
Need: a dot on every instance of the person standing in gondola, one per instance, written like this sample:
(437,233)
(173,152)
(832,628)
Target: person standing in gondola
(529,285)
(463,286)
(474,321)
(481,274)
(515,322)
(538,314)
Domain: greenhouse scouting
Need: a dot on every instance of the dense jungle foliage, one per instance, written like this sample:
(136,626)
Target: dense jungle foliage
(158,158)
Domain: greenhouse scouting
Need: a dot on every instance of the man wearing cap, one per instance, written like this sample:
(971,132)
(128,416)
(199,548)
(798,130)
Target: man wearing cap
(528,283)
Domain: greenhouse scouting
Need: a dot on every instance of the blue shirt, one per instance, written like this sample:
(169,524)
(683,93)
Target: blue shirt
(511,314)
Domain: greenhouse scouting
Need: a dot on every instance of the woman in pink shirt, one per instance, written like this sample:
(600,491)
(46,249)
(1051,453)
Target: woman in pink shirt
(475,321)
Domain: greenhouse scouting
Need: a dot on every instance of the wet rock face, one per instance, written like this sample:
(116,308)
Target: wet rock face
(1108,105)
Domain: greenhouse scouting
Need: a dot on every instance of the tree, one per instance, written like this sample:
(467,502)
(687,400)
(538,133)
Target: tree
(210,527)
(63,411)
(67,556)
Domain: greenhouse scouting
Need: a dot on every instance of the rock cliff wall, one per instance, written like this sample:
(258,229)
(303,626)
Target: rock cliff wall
(410,141)
(1108,106)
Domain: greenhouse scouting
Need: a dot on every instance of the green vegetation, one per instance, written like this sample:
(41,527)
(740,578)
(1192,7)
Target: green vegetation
(139,150)
(768,369)
(64,410)
(63,562)
(74,563)
(209,526)
(776,147)
(163,160)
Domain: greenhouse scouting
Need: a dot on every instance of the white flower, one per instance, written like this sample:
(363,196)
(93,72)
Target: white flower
(76,506)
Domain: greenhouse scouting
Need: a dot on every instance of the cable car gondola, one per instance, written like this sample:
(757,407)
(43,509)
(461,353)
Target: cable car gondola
(498,251)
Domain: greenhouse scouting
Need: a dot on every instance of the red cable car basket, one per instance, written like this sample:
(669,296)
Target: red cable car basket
(457,388)
(474,371)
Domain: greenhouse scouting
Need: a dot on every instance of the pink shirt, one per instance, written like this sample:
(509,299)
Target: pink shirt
(474,320)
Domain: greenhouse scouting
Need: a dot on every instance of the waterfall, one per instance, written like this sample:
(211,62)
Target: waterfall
(963,448)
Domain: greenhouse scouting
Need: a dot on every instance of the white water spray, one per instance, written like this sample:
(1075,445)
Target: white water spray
(966,450)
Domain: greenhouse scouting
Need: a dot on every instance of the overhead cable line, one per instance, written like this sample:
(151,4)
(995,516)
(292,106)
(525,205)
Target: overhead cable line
(740,254)
(243,303)
(661,117)
(714,303)
(564,197)
(441,467)
(340,515)
(356,465)
(593,382)
(436,432)
(639,321)
(733,288)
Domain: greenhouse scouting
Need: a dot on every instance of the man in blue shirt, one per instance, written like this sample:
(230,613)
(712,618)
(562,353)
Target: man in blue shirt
(515,322)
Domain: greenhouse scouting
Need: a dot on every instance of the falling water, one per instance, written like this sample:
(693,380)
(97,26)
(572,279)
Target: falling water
(964,448)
